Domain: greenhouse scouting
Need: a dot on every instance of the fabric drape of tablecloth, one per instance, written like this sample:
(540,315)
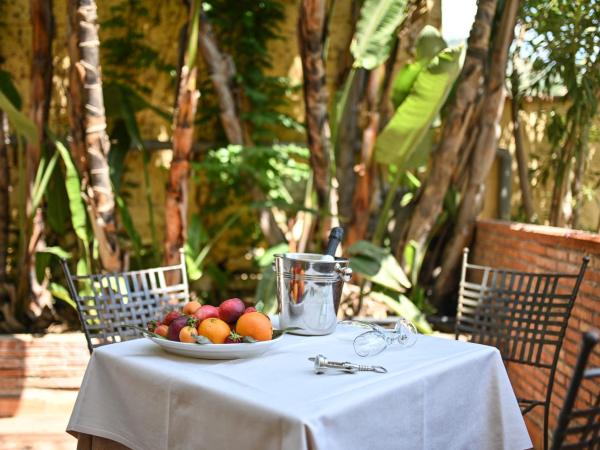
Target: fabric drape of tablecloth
(438,394)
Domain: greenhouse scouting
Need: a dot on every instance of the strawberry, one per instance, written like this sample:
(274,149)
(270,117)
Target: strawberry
(152,325)
(233,338)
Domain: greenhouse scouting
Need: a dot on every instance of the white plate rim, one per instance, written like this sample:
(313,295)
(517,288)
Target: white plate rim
(216,351)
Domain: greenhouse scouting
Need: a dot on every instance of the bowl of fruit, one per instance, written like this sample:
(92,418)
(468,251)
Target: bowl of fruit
(228,331)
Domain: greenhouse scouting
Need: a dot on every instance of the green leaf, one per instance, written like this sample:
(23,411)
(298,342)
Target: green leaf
(404,82)
(375,31)
(56,251)
(266,288)
(43,176)
(403,307)
(400,139)
(9,89)
(202,340)
(61,293)
(133,234)
(429,43)
(76,203)
(378,266)
(19,121)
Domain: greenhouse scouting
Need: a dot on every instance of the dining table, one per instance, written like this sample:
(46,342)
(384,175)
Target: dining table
(436,394)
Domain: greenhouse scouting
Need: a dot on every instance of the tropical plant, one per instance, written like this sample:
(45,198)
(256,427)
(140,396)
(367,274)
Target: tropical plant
(311,37)
(388,280)
(429,202)
(176,200)
(260,97)
(370,45)
(89,143)
(420,91)
(485,144)
(561,47)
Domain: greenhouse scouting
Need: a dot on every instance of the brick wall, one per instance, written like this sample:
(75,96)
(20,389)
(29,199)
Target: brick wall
(546,249)
(39,366)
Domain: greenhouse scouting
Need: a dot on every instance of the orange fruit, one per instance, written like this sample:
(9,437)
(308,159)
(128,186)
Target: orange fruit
(256,325)
(214,329)
(186,334)
(191,307)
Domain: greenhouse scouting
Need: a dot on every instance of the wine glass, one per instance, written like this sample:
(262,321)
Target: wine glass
(376,339)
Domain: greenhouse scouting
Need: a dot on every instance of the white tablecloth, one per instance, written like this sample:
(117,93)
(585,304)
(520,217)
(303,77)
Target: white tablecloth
(438,394)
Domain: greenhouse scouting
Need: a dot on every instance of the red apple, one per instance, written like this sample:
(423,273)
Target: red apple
(205,312)
(230,310)
(170,317)
(250,309)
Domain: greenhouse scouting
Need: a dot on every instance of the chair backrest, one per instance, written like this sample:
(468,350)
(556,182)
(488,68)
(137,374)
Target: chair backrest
(523,314)
(578,426)
(108,303)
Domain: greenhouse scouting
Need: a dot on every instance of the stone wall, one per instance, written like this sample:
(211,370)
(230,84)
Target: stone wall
(546,249)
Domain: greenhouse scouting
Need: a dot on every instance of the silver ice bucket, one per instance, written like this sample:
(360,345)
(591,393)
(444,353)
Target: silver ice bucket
(309,288)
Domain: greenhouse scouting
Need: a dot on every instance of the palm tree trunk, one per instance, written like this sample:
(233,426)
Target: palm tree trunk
(221,71)
(577,185)
(526,196)
(311,24)
(42,30)
(365,171)
(4,199)
(176,200)
(483,155)
(89,141)
(349,146)
(561,179)
(430,200)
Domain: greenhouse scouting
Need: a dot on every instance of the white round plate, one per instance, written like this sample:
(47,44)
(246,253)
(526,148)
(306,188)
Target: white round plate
(216,351)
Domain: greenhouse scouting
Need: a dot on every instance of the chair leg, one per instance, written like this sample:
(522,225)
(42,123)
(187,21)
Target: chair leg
(546,414)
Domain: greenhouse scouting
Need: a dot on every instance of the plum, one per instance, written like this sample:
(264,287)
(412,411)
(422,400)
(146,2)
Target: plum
(230,310)
(175,327)
(170,317)
(205,312)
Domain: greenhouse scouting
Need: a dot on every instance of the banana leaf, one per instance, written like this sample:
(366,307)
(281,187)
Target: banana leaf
(375,31)
(378,266)
(43,257)
(403,307)
(61,293)
(411,122)
(19,121)
(76,203)
(8,88)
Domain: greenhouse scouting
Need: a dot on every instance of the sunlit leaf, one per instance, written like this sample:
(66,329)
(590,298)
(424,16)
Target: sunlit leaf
(22,124)
(375,31)
(400,139)
(378,266)
(76,203)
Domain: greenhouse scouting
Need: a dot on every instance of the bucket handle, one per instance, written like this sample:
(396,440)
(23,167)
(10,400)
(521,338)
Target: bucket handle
(345,273)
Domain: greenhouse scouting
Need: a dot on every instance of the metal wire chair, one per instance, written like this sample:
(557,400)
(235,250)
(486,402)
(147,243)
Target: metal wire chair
(579,428)
(523,314)
(109,303)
